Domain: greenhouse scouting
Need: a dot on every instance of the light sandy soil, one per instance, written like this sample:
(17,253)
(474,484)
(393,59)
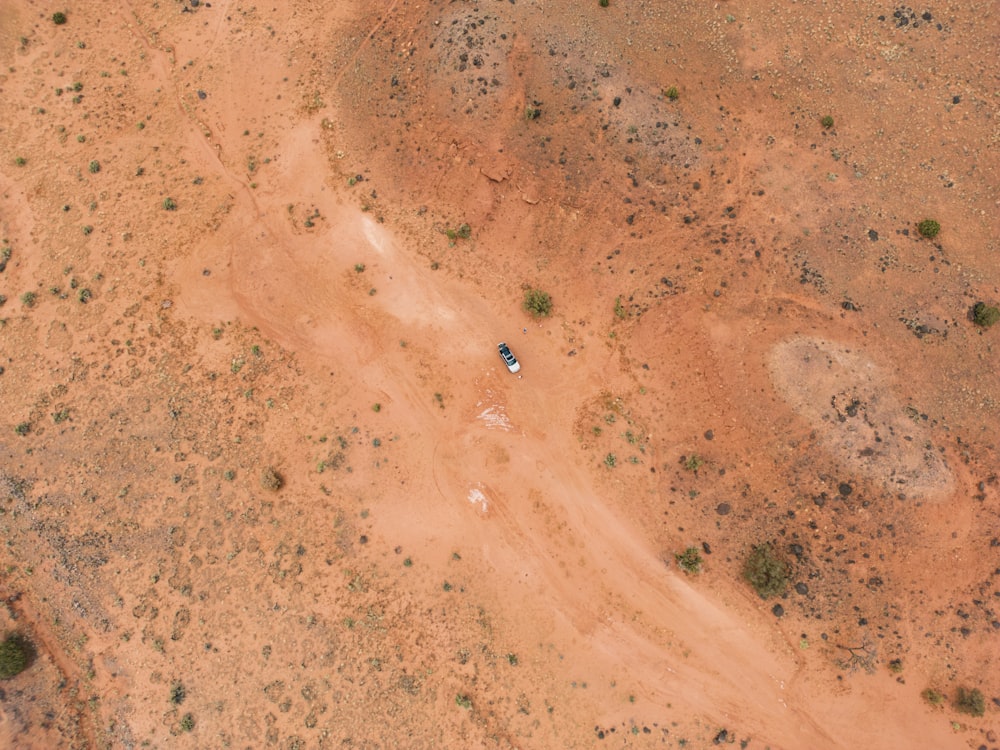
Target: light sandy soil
(749,343)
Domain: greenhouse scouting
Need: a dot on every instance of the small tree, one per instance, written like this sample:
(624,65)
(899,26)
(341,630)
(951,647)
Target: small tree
(970,701)
(537,302)
(984,315)
(15,654)
(766,571)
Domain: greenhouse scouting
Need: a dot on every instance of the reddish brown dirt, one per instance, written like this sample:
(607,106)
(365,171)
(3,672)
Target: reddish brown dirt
(749,342)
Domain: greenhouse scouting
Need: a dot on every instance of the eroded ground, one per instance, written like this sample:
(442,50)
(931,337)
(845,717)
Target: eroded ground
(243,229)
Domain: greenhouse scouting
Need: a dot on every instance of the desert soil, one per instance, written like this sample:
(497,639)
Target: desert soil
(250,241)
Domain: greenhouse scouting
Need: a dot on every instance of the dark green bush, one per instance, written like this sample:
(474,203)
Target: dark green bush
(537,302)
(15,655)
(766,571)
(59,18)
(826,121)
(970,702)
(984,315)
(928,228)
(672,93)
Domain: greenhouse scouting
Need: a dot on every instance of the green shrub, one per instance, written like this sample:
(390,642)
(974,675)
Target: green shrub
(537,302)
(928,228)
(672,93)
(169,204)
(984,315)
(15,655)
(826,121)
(970,702)
(604,3)
(896,666)
(532,113)
(187,723)
(59,18)
(689,560)
(28,299)
(463,700)
(94,166)
(766,571)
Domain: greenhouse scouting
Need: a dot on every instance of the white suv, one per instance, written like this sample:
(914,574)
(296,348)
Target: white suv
(508,357)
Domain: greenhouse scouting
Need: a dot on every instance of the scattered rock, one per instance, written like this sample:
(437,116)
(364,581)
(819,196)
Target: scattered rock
(777,610)
(723,509)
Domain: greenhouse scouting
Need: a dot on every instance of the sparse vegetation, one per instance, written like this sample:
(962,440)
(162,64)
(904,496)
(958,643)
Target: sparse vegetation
(463,232)
(970,702)
(766,571)
(359,267)
(94,166)
(689,560)
(22,428)
(169,204)
(532,113)
(187,723)
(463,700)
(928,228)
(896,666)
(59,18)
(20,161)
(672,93)
(537,302)
(611,460)
(826,121)
(604,3)
(15,655)
(271,480)
(693,462)
(932,696)
(177,693)
(985,315)
(619,308)
(28,299)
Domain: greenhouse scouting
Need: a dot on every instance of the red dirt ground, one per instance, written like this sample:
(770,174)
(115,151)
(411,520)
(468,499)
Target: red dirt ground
(242,228)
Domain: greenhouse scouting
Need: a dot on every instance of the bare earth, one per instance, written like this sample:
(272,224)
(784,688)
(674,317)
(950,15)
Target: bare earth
(242,225)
